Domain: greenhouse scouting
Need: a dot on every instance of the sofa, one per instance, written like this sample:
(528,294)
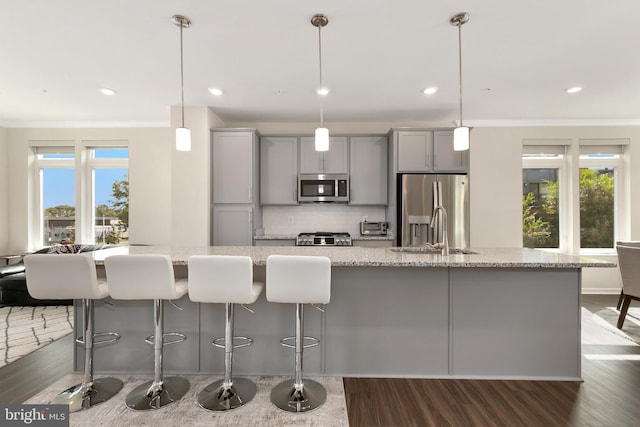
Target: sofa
(13,282)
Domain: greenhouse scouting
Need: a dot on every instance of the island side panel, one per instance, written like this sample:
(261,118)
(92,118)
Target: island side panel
(133,320)
(388,322)
(520,323)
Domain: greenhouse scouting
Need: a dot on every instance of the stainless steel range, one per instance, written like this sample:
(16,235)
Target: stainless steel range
(323,238)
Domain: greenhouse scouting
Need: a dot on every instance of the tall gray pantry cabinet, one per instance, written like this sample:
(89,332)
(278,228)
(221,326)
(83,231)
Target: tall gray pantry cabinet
(235,209)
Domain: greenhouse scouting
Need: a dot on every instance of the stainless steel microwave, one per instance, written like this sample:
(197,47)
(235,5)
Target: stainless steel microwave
(323,188)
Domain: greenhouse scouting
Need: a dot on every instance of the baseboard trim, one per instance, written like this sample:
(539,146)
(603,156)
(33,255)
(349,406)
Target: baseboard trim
(601,291)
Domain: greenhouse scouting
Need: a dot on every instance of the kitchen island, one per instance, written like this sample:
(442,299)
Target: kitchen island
(495,313)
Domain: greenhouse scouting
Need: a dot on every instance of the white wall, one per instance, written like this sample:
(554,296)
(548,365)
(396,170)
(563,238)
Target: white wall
(149,161)
(4,191)
(190,179)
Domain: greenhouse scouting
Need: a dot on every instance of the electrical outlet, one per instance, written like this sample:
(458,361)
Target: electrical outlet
(290,219)
(364,218)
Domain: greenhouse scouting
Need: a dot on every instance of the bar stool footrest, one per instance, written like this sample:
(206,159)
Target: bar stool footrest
(285,342)
(244,342)
(115,335)
(180,338)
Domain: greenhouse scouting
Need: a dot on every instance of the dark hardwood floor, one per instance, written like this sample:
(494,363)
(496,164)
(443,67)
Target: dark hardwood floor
(607,397)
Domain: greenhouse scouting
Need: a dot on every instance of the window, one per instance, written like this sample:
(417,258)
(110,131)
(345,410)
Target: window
(553,215)
(540,195)
(81,192)
(599,166)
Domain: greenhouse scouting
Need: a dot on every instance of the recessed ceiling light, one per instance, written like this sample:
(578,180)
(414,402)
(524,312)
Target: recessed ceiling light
(322,91)
(215,91)
(574,89)
(107,91)
(430,90)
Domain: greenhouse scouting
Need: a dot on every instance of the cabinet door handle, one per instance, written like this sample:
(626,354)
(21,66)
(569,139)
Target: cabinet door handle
(249,193)
(295,189)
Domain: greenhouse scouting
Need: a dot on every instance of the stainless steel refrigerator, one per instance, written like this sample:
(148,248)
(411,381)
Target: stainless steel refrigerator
(417,196)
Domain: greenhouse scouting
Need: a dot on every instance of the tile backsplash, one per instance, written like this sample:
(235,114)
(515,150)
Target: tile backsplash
(318,217)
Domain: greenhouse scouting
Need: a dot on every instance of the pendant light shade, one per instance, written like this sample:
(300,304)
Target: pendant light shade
(461,133)
(461,138)
(183,139)
(322,139)
(322,133)
(183,135)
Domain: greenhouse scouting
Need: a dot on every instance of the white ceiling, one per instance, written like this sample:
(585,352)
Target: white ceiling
(378,56)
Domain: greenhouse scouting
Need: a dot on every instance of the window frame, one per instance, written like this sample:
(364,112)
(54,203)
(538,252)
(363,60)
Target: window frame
(84,165)
(569,185)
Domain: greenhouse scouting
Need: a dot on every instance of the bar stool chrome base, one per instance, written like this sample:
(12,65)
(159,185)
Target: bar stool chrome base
(82,396)
(305,397)
(152,395)
(219,396)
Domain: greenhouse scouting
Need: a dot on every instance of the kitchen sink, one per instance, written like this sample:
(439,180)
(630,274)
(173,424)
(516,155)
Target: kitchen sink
(427,250)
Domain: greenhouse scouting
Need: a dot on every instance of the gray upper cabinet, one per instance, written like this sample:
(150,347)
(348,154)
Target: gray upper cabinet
(368,170)
(429,151)
(233,161)
(445,158)
(278,170)
(333,161)
(235,213)
(415,151)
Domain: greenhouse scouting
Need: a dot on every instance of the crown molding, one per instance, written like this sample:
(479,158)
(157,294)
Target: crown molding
(85,125)
(551,123)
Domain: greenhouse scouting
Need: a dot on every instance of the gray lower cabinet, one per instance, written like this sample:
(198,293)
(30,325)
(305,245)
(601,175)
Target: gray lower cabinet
(275,242)
(233,225)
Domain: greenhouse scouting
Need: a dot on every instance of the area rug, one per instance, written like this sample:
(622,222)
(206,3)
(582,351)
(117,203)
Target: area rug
(187,413)
(26,329)
(607,318)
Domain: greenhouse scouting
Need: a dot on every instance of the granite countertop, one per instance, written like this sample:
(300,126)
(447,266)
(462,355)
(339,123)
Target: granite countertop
(276,237)
(294,236)
(375,257)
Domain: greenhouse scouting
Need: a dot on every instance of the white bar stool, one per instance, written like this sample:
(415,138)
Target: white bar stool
(149,277)
(73,276)
(298,280)
(228,280)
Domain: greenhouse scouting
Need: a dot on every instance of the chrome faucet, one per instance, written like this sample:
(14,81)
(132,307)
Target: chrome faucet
(444,245)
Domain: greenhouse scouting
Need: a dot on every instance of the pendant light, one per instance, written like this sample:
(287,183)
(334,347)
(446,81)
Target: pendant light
(322,133)
(461,133)
(183,134)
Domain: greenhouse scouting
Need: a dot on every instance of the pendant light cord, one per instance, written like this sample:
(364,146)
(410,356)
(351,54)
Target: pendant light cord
(460,66)
(320,65)
(181,74)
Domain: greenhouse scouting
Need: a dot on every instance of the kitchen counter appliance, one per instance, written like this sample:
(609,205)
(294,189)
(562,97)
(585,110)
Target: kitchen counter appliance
(373,228)
(323,238)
